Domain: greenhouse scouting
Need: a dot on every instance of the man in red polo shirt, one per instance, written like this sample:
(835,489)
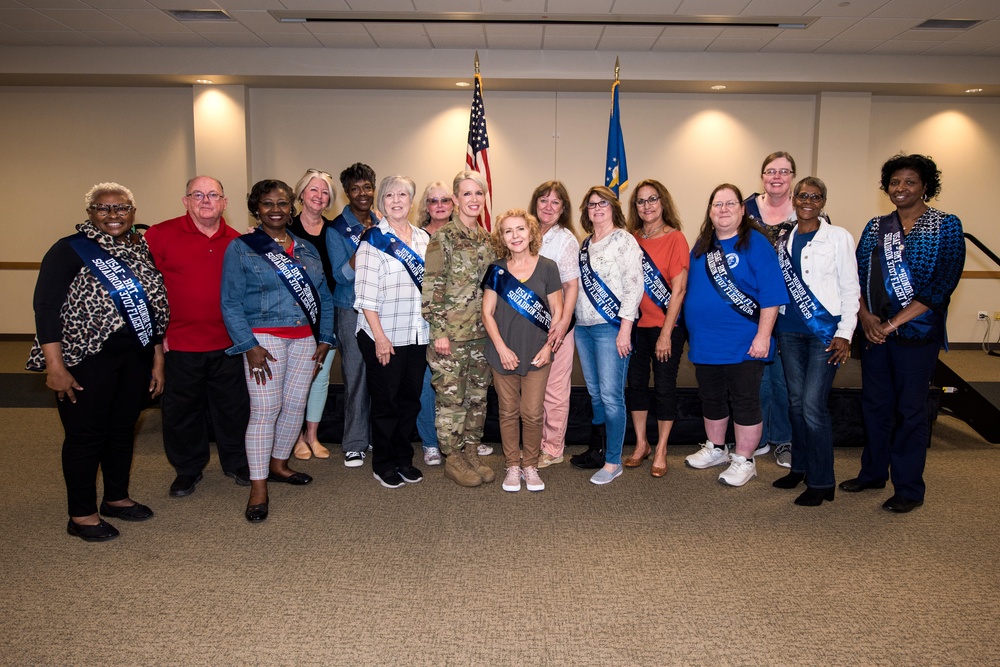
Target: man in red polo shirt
(203,385)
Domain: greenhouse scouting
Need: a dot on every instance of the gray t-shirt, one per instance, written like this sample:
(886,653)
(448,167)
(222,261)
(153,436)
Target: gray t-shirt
(520,334)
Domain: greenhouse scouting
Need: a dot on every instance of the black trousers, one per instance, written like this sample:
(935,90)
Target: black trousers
(395,393)
(100,426)
(640,397)
(202,386)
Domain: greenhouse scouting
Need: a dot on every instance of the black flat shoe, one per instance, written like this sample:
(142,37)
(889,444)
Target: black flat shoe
(257,513)
(789,481)
(589,460)
(102,532)
(901,505)
(137,512)
(296,478)
(184,485)
(241,476)
(812,497)
(855,485)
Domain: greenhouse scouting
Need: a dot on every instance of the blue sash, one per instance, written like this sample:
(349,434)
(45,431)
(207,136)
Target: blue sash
(722,280)
(816,318)
(654,283)
(600,295)
(392,246)
(350,232)
(291,274)
(518,296)
(896,273)
(122,284)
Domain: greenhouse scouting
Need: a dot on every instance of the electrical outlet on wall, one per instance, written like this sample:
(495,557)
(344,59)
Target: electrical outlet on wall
(982,315)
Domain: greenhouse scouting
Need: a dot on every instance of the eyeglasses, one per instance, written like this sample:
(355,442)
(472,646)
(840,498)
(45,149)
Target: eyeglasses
(102,210)
(719,205)
(210,196)
(434,201)
(604,203)
(649,200)
(805,196)
(268,205)
(778,172)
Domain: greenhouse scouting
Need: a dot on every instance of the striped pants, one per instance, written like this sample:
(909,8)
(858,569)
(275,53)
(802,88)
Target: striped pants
(276,408)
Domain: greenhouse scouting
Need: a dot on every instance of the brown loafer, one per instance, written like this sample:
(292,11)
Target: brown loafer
(657,471)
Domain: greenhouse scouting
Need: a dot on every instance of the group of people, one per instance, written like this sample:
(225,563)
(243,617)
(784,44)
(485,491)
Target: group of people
(237,331)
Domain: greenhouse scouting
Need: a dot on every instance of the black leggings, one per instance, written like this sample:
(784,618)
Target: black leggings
(640,397)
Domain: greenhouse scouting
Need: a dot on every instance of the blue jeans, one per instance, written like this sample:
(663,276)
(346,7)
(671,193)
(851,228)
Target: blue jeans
(774,404)
(604,372)
(425,420)
(809,378)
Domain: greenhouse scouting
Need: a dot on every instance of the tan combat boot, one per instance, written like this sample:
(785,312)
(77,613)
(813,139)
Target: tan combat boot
(484,471)
(457,469)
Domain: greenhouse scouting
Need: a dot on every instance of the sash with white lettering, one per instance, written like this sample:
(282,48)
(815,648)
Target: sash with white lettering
(816,318)
(291,274)
(654,283)
(896,272)
(600,295)
(350,232)
(392,246)
(722,279)
(518,296)
(122,284)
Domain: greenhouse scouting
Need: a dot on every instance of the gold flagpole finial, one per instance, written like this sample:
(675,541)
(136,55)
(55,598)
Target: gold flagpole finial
(477,61)
(617,68)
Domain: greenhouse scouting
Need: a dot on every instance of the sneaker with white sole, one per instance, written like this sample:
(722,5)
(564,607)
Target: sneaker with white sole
(512,482)
(484,450)
(546,460)
(783,454)
(432,456)
(354,459)
(531,479)
(762,448)
(709,455)
(604,476)
(740,471)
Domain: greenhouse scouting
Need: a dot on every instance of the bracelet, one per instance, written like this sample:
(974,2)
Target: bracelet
(891,324)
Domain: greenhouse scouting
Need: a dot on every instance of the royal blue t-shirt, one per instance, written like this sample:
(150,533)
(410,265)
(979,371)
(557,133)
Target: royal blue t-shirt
(719,334)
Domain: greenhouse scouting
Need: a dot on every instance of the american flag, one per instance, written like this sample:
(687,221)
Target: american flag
(477,154)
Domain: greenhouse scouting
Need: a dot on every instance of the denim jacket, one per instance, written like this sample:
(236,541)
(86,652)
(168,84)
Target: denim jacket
(253,296)
(341,251)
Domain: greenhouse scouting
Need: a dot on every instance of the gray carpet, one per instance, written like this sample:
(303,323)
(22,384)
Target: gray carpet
(677,571)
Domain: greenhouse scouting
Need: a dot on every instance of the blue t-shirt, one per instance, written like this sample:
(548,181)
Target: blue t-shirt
(719,334)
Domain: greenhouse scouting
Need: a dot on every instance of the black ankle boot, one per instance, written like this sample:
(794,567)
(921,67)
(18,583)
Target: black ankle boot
(789,481)
(812,497)
(594,456)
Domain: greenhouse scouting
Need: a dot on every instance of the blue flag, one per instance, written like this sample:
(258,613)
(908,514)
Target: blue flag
(616,174)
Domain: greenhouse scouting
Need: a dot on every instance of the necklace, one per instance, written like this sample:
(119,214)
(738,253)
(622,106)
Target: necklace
(284,240)
(652,233)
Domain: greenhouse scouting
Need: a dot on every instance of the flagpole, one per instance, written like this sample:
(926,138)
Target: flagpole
(618,66)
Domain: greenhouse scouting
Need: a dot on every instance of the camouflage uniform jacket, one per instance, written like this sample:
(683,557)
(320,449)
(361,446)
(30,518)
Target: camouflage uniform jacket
(457,258)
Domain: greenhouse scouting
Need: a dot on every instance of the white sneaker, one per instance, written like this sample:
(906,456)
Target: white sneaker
(484,450)
(709,455)
(512,482)
(531,479)
(432,456)
(740,471)
(762,448)
(783,455)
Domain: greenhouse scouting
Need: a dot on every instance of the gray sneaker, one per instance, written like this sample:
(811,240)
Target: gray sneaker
(783,454)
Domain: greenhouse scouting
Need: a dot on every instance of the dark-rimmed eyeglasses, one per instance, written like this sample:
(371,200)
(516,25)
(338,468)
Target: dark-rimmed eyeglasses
(807,196)
(649,200)
(604,203)
(102,210)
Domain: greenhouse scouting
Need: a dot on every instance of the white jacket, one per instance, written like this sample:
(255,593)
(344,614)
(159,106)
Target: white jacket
(830,271)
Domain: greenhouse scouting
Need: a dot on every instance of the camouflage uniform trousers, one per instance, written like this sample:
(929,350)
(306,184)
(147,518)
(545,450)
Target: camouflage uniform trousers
(460,381)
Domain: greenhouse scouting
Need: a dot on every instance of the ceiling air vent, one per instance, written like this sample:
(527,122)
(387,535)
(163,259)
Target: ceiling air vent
(199,15)
(947,24)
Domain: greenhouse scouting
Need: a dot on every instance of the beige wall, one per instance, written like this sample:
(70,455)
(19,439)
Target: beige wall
(146,138)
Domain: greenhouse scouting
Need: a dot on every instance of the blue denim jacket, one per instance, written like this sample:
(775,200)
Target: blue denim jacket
(341,252)
(254,296)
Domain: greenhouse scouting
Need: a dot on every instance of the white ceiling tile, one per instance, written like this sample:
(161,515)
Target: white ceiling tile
(401,41)
(778,7)
(85,20)
(147,21)
(325,5)
(30,20)
(992,51)
(458,41)
(215,27)
(233,39)
(973,9)
(581,6)
(512,6)
(911,8)
(571,31)
(446,5)
(18,38)
(176,39)
(901,48)
(825,27)
(712,7)
(953,48)
(343,41)
(927,35)
(454,30)
(692,31)
(522,42)
(624,43)
(858,8)
(42,5)
(116,38)
(647,7)
(637,32)
(984,32)
(883,29)
(302,41)
(682,44)
(68,39)
(336,28)
(120,4)
(263,23)
(752,33)
(792,45)
(390,29)
(840,45)
(185,4)
(723,45)
(380,5)
(559,42)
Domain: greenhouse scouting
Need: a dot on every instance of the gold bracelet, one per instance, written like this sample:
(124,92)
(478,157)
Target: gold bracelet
(891,324)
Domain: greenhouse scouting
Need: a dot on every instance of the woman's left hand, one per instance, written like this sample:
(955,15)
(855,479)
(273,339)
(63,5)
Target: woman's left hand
(320,357)
(623,342)
(663,350)
(557,332)
(544,357)
(840,350)
(157,375)
(760,347)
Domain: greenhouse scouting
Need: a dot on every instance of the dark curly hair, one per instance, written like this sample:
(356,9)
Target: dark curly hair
(261,188)
(922,164)
(359,171)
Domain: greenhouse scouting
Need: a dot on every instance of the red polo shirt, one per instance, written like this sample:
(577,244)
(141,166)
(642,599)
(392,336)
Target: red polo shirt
(191,264)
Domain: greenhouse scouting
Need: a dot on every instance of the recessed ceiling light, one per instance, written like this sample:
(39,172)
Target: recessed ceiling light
(463,84)
(203,81)
(719,87)
(974,90)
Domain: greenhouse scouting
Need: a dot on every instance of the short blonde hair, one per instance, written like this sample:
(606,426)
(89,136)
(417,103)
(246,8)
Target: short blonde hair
(304,181)
(423,215)
(107,188)
(534,231)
